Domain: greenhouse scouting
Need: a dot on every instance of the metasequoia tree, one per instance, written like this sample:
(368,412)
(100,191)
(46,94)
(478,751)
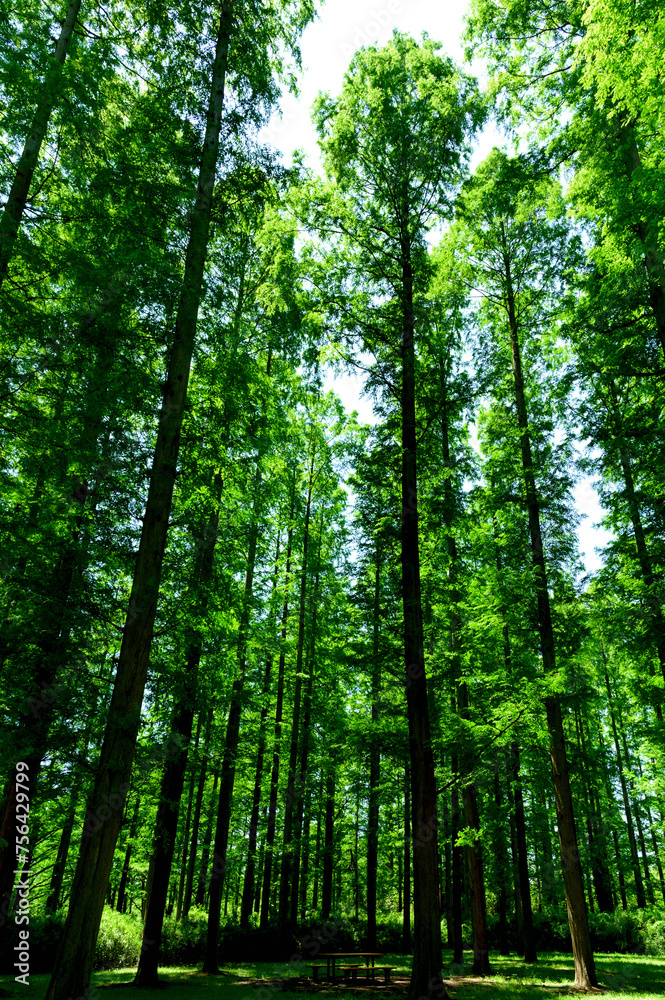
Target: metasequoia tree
(392,143)
(515,255)
(71,975)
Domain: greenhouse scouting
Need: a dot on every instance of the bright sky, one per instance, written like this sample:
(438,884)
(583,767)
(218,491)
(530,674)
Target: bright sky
(327,46)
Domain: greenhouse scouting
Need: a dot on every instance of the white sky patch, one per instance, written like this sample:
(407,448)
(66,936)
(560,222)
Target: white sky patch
(591,535)
(329,43)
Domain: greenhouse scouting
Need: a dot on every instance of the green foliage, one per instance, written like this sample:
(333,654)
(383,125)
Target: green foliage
(119,941)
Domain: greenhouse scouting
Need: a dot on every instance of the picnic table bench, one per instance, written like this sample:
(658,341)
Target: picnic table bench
(350,971)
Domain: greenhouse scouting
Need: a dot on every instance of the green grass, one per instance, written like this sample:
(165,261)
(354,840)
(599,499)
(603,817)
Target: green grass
(641,977)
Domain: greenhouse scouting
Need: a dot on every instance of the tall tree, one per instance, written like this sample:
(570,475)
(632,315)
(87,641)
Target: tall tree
(392,143)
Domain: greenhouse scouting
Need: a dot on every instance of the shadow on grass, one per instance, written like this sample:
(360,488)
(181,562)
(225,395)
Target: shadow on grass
(640,977)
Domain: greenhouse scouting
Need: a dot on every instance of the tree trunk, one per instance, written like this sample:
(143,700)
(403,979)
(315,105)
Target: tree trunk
(227,779)
(121,903)
(458,937)
(207,843)
(191,866)
(501,866)
(174,773)
(188,821)
(652,834)
(55,890)
(481,965)
(248,884)
(522,859)
(585,970)
(637,875)
(293,792)
(166,825)
(596,831)
(407,940)
(247,902)
(18,196)
(301,780)
(304,872)
(317,845)
(328,844)
(374,766)
(447,873)
(274,777)
(73,965)
(426,979)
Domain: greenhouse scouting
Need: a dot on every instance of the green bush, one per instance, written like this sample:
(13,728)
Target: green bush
(184,943)
(119,941)
(118,944)
(653,936)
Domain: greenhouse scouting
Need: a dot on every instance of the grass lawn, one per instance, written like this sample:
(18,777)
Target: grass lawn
(640,977)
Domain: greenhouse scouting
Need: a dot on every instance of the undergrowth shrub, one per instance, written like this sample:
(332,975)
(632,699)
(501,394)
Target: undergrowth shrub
(119,941)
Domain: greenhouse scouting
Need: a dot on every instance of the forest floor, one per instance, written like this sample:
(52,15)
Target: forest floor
(641,977)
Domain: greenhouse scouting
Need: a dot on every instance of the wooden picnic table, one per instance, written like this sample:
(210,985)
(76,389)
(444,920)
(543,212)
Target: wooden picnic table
(332,956)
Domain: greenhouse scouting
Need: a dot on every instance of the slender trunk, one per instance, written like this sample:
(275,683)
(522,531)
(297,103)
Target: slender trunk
(227,779)
(374,766)
(610,794)
(481,965)
(185,838)
(638,822)
(166,825)
(585,971)
(301,781)
(522,859)
(18,196)
(248,885)
(317,845)
(519,917)
(501,867)
(426,971)
(274,777)
(246,905)
(304,872)
(293,792)
(619,863)
(654,842)
(637,875)
(73,965)
(407,940)
(596,832)
(354,860)
(259,872)
(447,873)
(207,843)
(174,773)
(121,903)
(55,889)
(191,867)
(458,938)
(328,844)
